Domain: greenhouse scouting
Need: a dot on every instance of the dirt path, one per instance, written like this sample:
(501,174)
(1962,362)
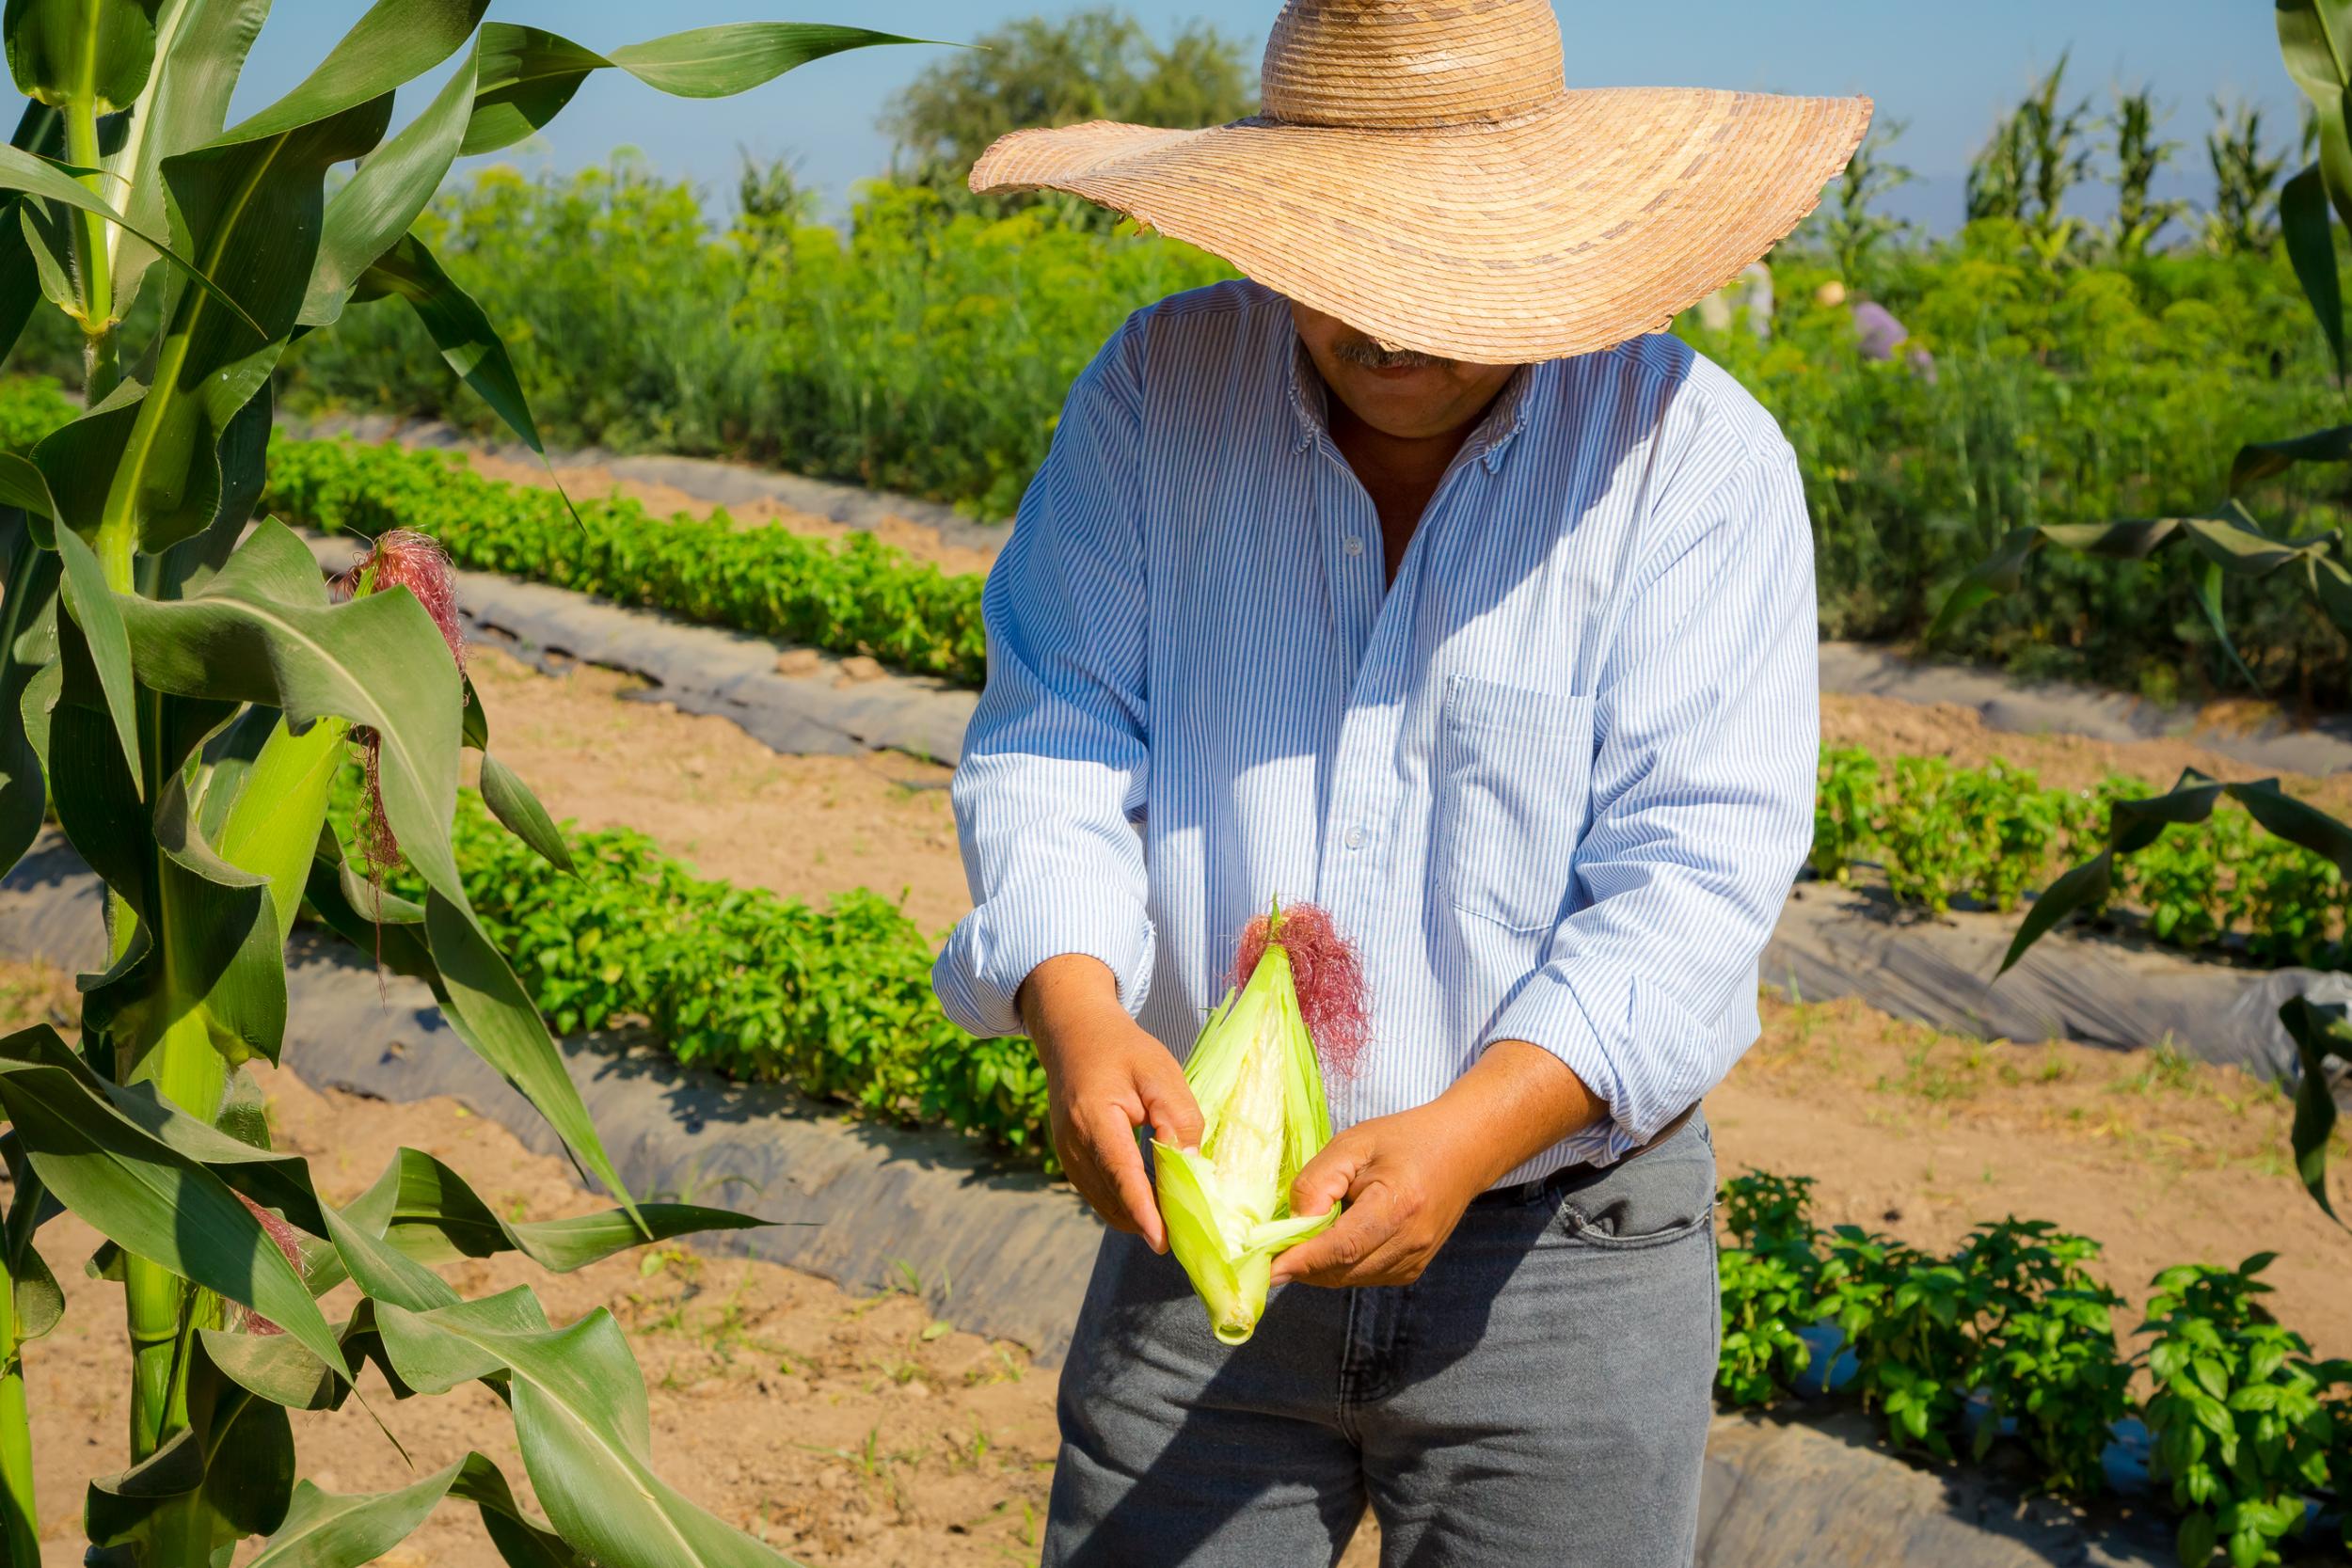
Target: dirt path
(713,797)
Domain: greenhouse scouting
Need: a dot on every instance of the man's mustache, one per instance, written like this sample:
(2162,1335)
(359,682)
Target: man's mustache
(1372,356)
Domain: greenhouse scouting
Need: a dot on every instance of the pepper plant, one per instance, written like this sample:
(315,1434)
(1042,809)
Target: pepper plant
(179,687)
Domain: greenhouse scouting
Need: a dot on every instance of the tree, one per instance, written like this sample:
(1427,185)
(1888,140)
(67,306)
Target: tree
(2244,220)
(1096,64)
(183,693)
(1850,230)
(2139,157)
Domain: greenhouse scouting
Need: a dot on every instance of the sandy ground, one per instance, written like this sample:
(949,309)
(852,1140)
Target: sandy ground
(867,1433)
(713,797)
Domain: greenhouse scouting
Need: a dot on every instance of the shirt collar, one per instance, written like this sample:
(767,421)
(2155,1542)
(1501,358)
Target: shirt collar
(1309,402)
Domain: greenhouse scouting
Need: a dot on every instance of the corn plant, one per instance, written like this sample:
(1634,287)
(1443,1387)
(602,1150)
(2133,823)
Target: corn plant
(180,689)
(2139,157)
(2246,176)
(2315,41)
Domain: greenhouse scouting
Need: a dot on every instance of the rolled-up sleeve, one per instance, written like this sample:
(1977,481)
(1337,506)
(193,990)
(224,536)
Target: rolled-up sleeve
(1049,789)
(1706,752)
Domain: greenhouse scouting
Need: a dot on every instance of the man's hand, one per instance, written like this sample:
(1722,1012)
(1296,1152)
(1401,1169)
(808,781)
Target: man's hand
(1104,1078)
(1408,1177)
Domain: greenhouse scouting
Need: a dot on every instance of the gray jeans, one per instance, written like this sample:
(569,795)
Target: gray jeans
(1540,1396)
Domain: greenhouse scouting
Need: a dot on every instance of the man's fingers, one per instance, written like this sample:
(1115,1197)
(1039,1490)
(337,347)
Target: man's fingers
(1111,1139)
(1170,1107)
(1353,1238)
(1329,1177)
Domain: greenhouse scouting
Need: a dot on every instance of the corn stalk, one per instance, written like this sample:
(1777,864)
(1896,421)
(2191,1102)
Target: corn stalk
(179,680)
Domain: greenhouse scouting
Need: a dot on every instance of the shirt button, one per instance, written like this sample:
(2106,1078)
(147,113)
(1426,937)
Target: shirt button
(1355,546)
(1355,839)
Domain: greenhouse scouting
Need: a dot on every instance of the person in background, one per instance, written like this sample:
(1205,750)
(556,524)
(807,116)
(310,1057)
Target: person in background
(1877,329)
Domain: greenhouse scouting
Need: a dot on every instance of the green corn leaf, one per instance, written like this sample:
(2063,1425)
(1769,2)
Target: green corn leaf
(274,1367)
(258,200)
(272,828)
(254,633)
(144,1195)
(21,171)
(97,610)
(2260,460)
(394,43)
(2087,886)
(323,1529)
(202,46)
(61,50)
(407,270)
(28,644)
(1998,574)
(582,1418)
(2319,1031)
(528,74)
(2207,587)
(2311,241)
(371,214)
(512,802)
(2297,821)
(428,1211)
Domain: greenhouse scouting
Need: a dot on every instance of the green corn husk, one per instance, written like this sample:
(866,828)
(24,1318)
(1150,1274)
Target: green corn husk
(1227,1205)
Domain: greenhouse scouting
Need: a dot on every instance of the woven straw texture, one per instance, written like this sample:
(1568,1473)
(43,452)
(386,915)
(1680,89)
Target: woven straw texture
(1423,171)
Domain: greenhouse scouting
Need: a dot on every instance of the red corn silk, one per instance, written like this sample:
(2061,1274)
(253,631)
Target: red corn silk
(401,558)
(1327,974)
(289,1243)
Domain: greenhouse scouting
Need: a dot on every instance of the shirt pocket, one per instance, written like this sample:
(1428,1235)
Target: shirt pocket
(1513,776)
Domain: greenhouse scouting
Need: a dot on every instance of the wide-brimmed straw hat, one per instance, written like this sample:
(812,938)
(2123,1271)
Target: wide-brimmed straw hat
(1423,171)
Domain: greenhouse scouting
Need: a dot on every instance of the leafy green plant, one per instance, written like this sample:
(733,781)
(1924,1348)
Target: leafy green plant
(184,691)
(860,596)
(2044,1350)
(1898,1308)
(2038,152)
(1845,812)
(2241,1427)
(1770,1283)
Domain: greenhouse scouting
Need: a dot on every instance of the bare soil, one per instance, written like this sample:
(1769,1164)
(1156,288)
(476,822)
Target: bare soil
(914,540)
(713,797)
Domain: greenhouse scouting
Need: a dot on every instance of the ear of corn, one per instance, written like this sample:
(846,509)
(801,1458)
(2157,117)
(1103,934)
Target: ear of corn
(1260,1087)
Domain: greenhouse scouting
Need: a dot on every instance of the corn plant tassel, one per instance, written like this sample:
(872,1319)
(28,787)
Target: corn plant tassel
(1256,1073)
(401,558)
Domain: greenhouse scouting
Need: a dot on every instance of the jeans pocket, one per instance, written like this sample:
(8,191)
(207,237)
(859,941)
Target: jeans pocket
(1649,1200)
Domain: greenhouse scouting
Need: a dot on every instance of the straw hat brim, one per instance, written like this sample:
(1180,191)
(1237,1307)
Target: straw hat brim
(1590,221)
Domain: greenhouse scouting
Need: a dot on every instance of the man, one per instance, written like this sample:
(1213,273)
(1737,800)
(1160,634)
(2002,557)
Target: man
(1410,578)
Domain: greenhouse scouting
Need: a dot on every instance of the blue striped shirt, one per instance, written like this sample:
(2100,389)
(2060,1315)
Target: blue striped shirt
(1554,781)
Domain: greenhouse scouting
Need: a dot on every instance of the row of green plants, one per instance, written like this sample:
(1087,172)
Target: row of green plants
(1942,833)
(2010,1340)
(856,596)
(834,1001)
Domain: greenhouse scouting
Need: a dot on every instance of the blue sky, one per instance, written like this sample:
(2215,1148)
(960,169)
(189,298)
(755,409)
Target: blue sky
(1944,69)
